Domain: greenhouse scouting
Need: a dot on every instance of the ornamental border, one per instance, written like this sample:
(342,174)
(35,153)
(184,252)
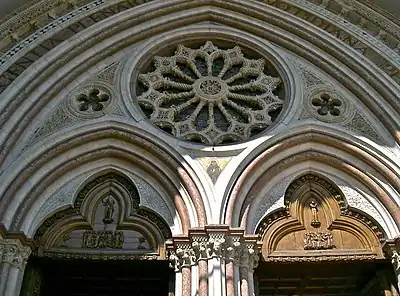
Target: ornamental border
(23,47)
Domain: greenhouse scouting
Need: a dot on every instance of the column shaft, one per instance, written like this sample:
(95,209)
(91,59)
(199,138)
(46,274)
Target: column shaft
(230,278)
(244,283)
(203,278)
(186,281)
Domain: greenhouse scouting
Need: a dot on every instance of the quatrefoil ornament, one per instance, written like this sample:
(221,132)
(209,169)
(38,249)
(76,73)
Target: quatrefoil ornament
(91,100)
(210,95)
(326,104)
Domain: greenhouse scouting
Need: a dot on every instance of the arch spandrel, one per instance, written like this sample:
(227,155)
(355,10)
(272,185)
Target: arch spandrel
(69,107)
(316,224)
(105,222)
(311,146)
(274,5)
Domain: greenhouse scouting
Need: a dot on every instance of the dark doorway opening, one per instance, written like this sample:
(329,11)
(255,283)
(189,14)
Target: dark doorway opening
(325,279)
(103,278)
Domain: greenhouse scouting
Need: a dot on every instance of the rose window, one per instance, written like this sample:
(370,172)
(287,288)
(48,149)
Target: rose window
(210,95)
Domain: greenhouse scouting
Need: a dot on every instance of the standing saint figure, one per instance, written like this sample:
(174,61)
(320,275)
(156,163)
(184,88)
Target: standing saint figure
(314,212)
(108,210)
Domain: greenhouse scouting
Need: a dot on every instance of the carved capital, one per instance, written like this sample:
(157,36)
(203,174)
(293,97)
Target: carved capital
(226,244)
(396,260)
(392,249)
(13,252)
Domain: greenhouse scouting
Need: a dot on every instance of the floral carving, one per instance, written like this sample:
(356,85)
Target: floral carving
(326,105)
(14,253)
(93,100)
(209,95)
(231,248)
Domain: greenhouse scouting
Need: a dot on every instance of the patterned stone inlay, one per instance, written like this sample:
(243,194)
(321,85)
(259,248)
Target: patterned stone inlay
(210,95)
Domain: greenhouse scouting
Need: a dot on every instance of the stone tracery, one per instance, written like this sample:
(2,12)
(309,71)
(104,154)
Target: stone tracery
(205,248)
(210,95)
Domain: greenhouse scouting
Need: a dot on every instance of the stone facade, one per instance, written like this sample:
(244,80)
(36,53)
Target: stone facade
(216,136)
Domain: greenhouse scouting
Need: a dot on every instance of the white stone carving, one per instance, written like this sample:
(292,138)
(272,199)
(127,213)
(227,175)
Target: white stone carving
(273,200)
(396,260)
(378,45)
(327,105)
(209,94)
(14,253)
(108,73)
(359,124)
(45,32)
(150,198)
(357,201)
(215,245)
(62,197)
(91,100)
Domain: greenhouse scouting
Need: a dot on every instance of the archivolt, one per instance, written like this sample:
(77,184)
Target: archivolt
(89,144)
(91,45)
(317,144)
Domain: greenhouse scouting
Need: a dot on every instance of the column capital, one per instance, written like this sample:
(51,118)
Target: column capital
(13,252)
(15,248)
(392,249)
(222,242)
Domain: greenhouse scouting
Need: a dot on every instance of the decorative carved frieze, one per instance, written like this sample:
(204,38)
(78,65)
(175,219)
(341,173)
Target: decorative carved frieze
(14,253)
(318,241)
(231,247)
(320,258)
(100,256)
(103,239)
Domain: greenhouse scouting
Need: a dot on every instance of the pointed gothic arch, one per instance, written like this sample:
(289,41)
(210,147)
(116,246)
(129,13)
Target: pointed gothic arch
(316,223)
(106,216)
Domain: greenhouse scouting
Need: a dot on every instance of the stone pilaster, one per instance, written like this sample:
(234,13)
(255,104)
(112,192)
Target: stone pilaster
(392,249)
(13,257)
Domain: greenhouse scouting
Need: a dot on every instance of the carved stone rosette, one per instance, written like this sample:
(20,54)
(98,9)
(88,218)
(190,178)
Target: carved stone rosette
(13,252)
(241,249)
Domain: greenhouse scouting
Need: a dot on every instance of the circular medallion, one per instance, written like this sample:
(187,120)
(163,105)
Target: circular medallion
(210,88)
(91,100)
(325,104)
(210,95)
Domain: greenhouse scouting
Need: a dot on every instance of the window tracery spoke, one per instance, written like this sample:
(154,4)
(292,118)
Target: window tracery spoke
(210,89)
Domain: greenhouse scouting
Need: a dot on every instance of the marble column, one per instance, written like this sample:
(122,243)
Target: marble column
(230,278)
(186,281)
(248,261)
(244,281)
(203,278)
(215,260)
(13,258)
